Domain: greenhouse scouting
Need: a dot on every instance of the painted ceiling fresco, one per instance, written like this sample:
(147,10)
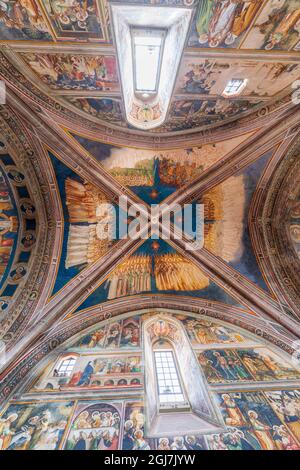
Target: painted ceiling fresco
(229,206)
(267,25)
(153,175)
(260,29)
(156,267)
(86,211)
(90,322)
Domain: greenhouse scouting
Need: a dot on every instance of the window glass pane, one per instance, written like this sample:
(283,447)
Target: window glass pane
(66,367)
(234,86)
(147,50)
(167,377)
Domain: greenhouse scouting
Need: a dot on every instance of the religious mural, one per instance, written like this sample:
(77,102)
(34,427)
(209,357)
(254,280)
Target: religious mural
(23,19)
(158,170)
(134,428)
(252,423)
(156,267)
(245,24)
(276,27)
(286,404)
(206,332)
(75,72)
(188,442)
(95,372)
(153,176)
(96,426)
(170,3)
(34,426)
(228,233)
(90,216)
(121,334)
(294,226)
(72,20)
(209,77)
(243,365)
(106,109)
(89,222)
(257,420)
(186,114)
(222,24)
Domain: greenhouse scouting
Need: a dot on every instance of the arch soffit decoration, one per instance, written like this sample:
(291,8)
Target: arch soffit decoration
(37,95)
(28,158)
(275,196)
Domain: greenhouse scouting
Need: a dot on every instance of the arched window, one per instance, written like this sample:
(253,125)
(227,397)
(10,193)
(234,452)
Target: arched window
(176,395)
(65,367)
(169,382)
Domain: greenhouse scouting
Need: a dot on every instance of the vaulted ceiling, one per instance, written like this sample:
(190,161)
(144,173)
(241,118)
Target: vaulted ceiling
(66,146)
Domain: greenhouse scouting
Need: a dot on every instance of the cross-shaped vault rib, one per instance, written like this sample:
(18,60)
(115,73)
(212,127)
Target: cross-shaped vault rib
(216,269)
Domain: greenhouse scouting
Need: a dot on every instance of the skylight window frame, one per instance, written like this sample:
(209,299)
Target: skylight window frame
(140,29)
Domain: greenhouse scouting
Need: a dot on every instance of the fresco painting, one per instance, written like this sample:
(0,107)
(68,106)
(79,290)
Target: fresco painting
(206,332)
(23,20)
(94,372)
(18,229)
(154,266)
(253,425)
(90,215)
(286,404)
(209,77)
(34,426)
(72,20)
(254,421)
(186,114)
(87,216)
(157,268)
(266,365)
(155,170)
(222,24)
(177,443)
(228,235)
(170,3)
(134,428)
(294,226)
(223,366)
(106,109)
(243,365)
(257,420)
(277,26)
(123,334)
(74,71)
(272,24)
(95,426)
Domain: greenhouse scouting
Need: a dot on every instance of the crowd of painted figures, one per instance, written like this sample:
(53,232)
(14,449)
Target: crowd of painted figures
(262,419)
(255,421)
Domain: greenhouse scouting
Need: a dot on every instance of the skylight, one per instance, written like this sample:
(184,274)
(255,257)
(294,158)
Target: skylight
(235,86)
(147,54)
(149,58)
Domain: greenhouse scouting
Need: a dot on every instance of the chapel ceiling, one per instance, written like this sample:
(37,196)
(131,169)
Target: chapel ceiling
(67,50)
(67,150)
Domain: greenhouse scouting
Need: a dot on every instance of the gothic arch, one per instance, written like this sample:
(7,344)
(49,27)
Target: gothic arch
(34,359)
